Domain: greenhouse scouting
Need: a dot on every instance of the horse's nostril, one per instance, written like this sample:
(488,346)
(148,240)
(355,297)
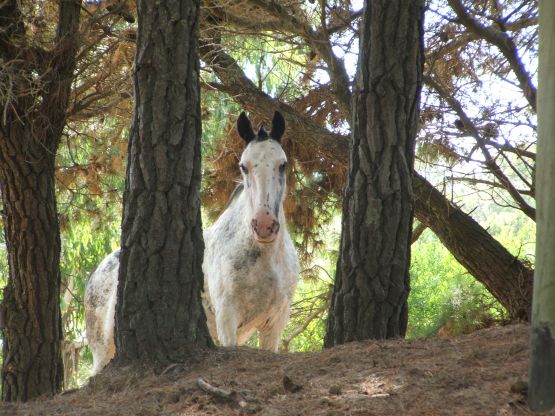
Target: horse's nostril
(275,227)
(254,224)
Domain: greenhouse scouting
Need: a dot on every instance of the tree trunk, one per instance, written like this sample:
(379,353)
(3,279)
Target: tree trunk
(159,316)
(507,279)
(29,138)
(32,328)
(541,390)
(372,277)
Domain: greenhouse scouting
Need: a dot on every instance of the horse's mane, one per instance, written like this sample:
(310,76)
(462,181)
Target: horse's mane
(236,192)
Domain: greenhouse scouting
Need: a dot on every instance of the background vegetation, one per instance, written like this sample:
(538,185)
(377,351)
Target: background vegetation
(444,299)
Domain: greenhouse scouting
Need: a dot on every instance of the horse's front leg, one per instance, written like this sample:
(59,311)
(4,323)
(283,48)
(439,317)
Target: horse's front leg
(270,334)
(269,339)
(227,320)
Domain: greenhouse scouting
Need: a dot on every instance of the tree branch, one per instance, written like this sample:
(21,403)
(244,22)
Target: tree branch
(417,232)
(493,184)
(219,393)
(315,314)
(319,41)
(472,130)
(494,35)
(245,92)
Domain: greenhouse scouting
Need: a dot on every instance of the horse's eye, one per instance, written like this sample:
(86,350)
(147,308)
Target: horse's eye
(244,169)
(282,167)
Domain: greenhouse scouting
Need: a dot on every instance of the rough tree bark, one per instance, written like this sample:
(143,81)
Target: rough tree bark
(159,315)
(372,278)
(30,131)
(541,390)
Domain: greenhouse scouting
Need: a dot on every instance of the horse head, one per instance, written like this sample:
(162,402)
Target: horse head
(262,165)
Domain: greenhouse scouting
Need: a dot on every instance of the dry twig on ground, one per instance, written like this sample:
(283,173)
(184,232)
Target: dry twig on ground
(229,396)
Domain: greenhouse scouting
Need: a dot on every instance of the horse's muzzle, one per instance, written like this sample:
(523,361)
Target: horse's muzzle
(265,227)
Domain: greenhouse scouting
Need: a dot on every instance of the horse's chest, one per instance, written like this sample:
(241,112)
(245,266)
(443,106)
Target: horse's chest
(257,283)
(257,286)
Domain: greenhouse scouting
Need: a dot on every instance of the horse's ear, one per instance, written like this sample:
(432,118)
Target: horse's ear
(278,126)
(244,127)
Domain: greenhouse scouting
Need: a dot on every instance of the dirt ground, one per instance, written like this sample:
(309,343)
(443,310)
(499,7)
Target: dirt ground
(482,373)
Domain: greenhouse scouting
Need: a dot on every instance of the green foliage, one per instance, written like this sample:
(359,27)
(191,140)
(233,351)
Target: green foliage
(90,180)
(216,110)
(84,245)
(443,294)
(511,228)
(307,325)
(273,66)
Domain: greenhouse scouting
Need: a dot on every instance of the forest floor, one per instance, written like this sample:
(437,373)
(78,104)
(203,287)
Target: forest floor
(483,373)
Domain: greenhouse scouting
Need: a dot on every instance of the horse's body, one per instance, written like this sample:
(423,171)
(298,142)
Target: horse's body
(250,264)
(246,286)
(100,310)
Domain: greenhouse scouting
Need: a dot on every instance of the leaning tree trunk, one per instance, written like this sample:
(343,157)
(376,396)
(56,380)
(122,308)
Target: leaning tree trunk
(29,138)
(372,277)
(541,389)
(504,276)
(159,314)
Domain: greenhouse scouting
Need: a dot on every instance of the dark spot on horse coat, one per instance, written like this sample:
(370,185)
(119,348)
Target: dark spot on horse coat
(227,233)
(247,259)
(280,195)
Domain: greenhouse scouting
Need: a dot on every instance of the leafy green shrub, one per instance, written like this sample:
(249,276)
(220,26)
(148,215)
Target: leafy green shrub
(444,295)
